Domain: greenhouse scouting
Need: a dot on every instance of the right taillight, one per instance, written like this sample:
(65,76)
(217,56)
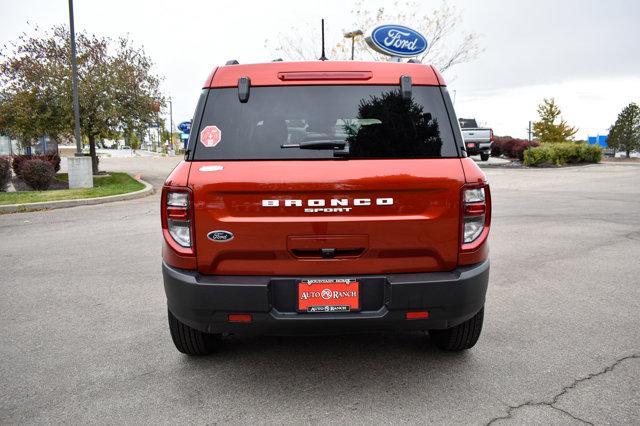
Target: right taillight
(177,221)
(476,216)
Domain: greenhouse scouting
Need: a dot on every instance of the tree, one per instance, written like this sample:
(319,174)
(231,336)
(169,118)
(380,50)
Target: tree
(118,93)
(546,129)
(32,88)
(625,133)
(134,142)
(447,46)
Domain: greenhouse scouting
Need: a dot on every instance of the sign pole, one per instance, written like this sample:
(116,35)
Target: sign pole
(170,122)
(74,79)
(80,168)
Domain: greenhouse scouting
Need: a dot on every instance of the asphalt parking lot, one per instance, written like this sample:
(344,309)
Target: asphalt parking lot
(84,337)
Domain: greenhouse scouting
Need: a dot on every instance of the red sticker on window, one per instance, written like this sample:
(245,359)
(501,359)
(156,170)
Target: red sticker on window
(210,136)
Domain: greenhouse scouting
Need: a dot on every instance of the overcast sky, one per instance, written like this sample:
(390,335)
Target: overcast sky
(584,53)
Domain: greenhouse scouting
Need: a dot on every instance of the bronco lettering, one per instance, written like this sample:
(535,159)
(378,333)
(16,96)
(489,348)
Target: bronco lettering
(334,202)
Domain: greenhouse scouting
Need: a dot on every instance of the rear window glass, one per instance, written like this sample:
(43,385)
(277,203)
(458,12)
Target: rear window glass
(329,121)
(467,123)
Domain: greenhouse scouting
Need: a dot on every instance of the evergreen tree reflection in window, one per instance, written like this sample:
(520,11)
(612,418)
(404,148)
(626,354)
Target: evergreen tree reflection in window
(393,127)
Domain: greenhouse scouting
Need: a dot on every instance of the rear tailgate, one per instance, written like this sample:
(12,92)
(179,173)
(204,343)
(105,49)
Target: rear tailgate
(476,135)
(388,216)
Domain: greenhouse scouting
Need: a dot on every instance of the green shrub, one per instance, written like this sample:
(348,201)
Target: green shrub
(537,156)
(38,174)
(562,153)
(5,173)
(565,152)
(590,153)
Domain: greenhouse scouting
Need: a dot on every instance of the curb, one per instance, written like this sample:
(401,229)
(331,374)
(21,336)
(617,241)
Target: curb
(59,204)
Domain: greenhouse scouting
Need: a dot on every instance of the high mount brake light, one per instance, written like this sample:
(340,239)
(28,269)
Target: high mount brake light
(178,216)
(474,216)
(325,75)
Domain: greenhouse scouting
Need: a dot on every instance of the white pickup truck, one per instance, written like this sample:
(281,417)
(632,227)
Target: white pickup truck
(477,140)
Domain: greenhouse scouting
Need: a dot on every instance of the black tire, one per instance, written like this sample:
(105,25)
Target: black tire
(460,337)
(485,157)
(191,341)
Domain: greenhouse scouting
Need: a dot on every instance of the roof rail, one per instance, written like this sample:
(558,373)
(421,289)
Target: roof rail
(232,62)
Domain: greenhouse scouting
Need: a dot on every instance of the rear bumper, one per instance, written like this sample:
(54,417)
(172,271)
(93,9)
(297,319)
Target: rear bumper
(478,147)
(204,302)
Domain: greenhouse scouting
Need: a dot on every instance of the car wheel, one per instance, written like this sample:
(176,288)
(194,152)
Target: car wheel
(484,157)
(191,341)
(460,337)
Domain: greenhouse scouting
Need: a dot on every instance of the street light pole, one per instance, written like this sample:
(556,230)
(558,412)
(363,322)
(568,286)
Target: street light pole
(352,35)
(170,122)
(353,46)
(74,79)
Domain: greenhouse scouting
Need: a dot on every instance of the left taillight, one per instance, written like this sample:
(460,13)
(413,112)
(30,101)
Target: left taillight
(177,217)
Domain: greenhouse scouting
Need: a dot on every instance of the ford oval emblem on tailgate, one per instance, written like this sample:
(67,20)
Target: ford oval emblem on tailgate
(220,236)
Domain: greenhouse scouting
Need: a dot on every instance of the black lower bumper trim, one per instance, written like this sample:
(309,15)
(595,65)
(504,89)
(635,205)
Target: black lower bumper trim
(204,302)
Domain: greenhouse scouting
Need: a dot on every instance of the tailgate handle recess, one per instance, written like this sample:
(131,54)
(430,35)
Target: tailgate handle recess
(327,246)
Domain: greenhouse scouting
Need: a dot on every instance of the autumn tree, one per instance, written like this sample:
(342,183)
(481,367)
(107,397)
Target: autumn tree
(552,127)
(624,135)
(447,44)
(33,92)
(117,91)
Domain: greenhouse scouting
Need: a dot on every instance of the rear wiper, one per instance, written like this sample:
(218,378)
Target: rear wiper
(317,144)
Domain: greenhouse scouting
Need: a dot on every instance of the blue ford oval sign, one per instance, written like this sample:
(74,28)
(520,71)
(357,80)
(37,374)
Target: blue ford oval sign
(185,127)
(396,40)
(220,235)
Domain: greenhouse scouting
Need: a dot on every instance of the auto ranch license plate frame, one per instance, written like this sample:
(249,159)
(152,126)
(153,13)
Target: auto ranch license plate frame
(341,295)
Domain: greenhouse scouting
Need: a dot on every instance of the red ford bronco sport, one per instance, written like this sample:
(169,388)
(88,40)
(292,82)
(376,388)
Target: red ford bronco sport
(325,197)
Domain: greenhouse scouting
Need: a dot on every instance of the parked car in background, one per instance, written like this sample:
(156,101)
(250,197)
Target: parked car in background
(478,140)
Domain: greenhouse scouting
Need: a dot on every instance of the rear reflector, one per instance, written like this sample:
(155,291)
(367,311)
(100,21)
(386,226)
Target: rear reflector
(474,209)
(325,75)
(177,213)
(417,315)
(240,318)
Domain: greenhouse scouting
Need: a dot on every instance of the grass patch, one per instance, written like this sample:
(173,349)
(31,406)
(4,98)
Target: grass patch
(116,183)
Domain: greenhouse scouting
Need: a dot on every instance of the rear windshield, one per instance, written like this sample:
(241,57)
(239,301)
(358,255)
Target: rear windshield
(468,123)
(329,121)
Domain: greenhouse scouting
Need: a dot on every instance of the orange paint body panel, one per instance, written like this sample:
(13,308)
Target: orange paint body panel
(419,232)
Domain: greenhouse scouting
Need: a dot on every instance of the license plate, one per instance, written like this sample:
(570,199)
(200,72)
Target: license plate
(328,296)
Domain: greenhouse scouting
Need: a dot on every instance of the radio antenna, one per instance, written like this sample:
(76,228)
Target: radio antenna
(322,56)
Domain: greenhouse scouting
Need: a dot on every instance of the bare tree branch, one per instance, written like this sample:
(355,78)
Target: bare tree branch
(447,44)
